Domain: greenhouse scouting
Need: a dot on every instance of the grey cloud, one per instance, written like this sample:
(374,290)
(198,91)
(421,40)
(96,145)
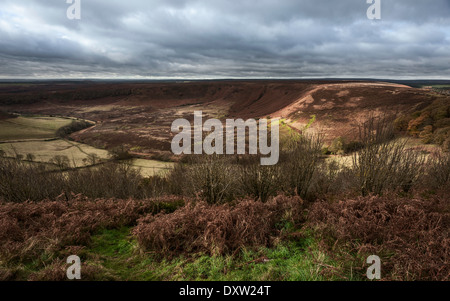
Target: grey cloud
(219,38)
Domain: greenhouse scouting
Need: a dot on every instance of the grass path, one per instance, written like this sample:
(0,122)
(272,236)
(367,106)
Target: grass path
(117,254)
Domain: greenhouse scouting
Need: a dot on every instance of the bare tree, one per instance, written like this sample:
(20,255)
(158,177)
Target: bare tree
(384,162)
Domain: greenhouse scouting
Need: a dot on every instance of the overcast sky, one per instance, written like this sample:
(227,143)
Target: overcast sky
(224,39)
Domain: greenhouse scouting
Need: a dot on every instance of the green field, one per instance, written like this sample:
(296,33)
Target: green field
(115,251)
(151,167)
(44,151)
(29,128)
(77,153)
(29,135)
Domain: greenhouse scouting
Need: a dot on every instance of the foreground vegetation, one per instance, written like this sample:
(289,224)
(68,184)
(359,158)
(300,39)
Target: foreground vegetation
(228,218)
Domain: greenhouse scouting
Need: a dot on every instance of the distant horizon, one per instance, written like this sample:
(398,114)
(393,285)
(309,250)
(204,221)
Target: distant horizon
(5,80)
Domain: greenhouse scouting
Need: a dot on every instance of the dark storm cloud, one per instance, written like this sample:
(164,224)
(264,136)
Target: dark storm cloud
(218,38)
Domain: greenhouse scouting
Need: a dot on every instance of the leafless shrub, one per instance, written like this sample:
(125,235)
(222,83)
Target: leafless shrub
(211,177)
(259,181)
(110,180)
(177,181)
(384,163)
(92,159)
(332,178)
(438,171)
(300,160)
(21,181)
(62,162)
(154,186)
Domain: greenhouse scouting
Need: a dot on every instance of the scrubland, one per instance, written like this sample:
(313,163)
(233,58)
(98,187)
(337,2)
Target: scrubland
(228,218)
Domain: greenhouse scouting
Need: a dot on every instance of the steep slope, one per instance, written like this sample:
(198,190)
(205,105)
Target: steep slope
(139,115)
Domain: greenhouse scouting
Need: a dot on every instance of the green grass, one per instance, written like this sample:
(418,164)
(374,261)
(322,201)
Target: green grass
(117,254)
(113,254)
(25,128)
(119,257)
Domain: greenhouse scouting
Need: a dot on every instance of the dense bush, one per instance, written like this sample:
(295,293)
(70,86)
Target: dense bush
(213,178)
(299,161)
(258,181)
(431,124)
(31,230)
(383,163)
(411,236)
(75,126)
(442,137)
(218,229)
(331,180)
(119,153)
(437,174)
(219,179)
(21,181)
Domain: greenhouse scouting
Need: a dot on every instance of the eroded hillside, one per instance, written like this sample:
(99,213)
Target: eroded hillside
(139,115)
